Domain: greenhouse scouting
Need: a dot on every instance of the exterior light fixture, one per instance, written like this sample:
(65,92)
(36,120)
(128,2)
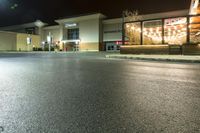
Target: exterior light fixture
(70,25)
(28,40)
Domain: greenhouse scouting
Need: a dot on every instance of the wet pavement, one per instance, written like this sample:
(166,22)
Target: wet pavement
(86,93)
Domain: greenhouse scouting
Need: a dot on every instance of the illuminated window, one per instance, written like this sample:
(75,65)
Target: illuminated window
(133,33)
(30,30)
(195,29)
(73,34)
(175,30)
(152,32)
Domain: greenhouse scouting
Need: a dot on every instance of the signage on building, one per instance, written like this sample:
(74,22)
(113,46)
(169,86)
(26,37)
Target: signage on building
(175,21)
(28,40)
(70,25)
(121,42)
(49,39)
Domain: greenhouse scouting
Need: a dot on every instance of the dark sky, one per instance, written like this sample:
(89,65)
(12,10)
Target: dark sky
(21,11)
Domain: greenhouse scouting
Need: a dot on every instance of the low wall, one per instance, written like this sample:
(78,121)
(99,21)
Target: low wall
(144,49)
(191,49)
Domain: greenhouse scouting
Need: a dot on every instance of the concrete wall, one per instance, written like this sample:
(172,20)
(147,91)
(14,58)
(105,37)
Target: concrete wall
(144,49)
(191,49)
(55,32)
(112,32)
(11,41)
(22,42)
(7,41)
(89,35)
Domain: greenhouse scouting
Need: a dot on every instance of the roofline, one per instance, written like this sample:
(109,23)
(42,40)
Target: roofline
(51,27)
(169,14)
(22,25)
(175,13)
(16,33)
(81,17)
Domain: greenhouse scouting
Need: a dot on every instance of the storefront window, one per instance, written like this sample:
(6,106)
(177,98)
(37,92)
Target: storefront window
(195,29)
(73,34)
(175,30)
(133,33)
(152,32)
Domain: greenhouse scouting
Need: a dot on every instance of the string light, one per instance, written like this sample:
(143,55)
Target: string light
(174,32)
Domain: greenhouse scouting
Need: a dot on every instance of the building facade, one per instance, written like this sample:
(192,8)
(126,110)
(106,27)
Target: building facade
(25,37)
(12,41)
(159,32)
(83,33)
(93,32)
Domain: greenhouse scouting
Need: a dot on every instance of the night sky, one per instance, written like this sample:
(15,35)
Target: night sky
(22,11)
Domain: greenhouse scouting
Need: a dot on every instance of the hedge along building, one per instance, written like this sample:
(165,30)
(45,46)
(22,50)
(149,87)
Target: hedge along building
(82,33)
(156,33)
(21,37)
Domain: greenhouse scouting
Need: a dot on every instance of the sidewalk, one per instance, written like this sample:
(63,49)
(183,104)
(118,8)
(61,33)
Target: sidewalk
(172,58)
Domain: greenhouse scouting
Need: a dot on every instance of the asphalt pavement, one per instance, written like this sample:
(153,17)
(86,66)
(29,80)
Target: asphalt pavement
(87,93)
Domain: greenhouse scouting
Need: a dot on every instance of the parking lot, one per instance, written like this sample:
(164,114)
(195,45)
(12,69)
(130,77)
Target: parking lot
(87,93)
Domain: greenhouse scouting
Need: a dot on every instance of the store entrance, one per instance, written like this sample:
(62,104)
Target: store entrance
(71,46)
(112,46)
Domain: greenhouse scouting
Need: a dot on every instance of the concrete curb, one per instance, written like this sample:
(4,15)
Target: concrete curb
(153,59)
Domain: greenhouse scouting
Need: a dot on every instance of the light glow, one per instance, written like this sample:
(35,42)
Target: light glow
(70,25)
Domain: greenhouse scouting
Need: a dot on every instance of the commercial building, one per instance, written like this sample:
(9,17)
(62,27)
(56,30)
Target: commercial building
(82,33)
(12,41)
(88,32)
(91,32)
(158,33)
(23,37)
(94,32)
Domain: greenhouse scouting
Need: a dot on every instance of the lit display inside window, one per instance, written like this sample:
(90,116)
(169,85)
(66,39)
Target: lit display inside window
(133,33)
(152,32)
(195,29)
(171,31)
(194,9)
(175,30)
